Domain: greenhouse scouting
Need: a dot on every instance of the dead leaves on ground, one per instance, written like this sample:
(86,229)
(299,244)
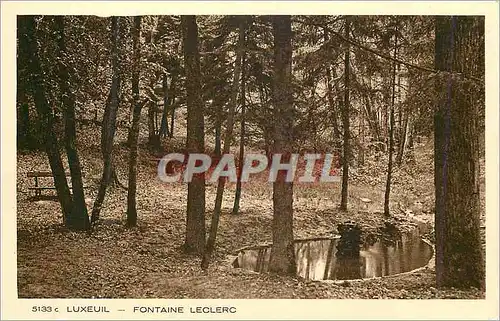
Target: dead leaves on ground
(147,261)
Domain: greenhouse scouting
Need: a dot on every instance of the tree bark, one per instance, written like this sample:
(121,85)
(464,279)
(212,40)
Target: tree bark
(282,259)
(218,130)
(153,137)
(164,132)
(134,133)
(391,133)
(109,123)
(404,113)
(345,120)
(459,254)
(78,219)
(227,146)
(47,121)
(361,153)
(195,224)
(171,102)
(237,194)
(172,115)
(403,138)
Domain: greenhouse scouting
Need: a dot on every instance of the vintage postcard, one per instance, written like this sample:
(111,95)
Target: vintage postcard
(238,160)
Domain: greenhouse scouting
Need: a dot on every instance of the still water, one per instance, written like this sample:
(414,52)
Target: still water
(317,259)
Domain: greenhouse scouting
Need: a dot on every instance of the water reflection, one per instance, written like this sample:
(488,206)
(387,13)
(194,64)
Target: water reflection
(318,259)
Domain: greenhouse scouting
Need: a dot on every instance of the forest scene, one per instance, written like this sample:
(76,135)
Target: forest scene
(385,114)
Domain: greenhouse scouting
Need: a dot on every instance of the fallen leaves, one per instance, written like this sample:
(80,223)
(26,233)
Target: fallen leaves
(146,261)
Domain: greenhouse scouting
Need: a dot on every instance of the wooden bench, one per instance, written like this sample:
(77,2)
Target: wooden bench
(37,174)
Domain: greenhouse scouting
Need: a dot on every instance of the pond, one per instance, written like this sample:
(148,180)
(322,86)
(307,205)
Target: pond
(317,259)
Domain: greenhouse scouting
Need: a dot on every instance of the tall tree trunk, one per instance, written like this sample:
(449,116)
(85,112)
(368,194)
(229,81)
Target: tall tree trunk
(403,138)
(372,114)
(218,130)
(237,194)
(47,120)
(227,146)
(459,256)
(409,139)
(195,224)
(398,129)
(79,218)
(391,133)
(109,122)
(172,115)
(171,102)
(164,132)
(361,153)
(345,119)
(217,105)
(403,124)
(153,137)
(282,259)
(134,133)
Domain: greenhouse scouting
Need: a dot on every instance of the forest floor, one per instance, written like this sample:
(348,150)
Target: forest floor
(147,262)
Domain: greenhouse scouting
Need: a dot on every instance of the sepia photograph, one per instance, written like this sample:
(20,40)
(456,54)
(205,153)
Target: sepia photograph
(222,156)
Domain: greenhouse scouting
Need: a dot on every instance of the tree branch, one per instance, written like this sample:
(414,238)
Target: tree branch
(388,57)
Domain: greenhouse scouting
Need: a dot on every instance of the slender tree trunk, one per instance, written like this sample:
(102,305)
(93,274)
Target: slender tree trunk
(345,120)
(398,129)
(361,155)
(195,224)
(459,256)
(79,219)
(282,251)
(218,129)
(153,138)
(403,139)
(172,116)
(164,132)
(237,194)
(403,124)
(156,125)
(132,171)
(47,121)
(391,133)
(109,126)
(105,120)
(217,104)
(409,139)
(227,146)
(171,102)
(372,115)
